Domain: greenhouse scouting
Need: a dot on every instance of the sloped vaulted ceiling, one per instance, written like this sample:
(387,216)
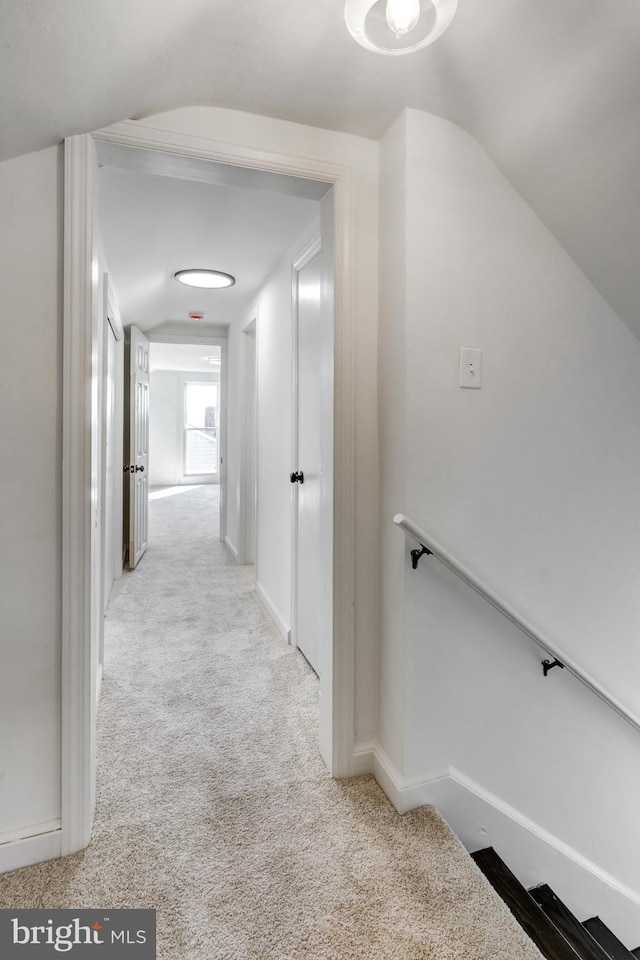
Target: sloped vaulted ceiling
(550,88)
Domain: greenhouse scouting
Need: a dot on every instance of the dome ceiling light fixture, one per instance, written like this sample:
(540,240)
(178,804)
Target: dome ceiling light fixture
(209,279)
(395,27)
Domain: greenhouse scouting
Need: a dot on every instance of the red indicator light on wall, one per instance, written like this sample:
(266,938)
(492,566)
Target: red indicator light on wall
(196,316)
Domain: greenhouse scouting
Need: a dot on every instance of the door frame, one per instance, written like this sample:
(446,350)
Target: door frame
(211,341)
(111,322)
(249,444)
(337,700)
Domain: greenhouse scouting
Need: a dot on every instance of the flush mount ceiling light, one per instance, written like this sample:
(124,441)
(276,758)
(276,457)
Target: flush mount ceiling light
(395,27)
(211,279)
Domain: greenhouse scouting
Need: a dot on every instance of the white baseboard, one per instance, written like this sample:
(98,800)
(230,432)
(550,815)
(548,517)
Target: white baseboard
(99,685)
(273,612)
(230,547)
(363,759)
(17,850)
(481,819)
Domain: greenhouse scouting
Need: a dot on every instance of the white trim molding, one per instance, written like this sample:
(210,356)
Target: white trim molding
(364,760)
(230,547)
(283,628)
(480,819)
(248,484)
(111,309)
(141,134)
(78,667)
(306,255)
(31,845)
(217,337)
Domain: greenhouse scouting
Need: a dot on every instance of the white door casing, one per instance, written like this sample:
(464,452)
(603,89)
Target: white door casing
(247,514)
(79,672)
(138,466)
(110,476)
(112,463)
(337,717)
(207,342)
(109,480)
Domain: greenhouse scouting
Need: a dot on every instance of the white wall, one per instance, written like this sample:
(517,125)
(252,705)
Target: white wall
(531,482)
(30,491)
(166,424)
(392,416)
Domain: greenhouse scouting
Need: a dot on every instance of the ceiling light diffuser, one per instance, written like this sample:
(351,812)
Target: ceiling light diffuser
(210,279)
(395,27)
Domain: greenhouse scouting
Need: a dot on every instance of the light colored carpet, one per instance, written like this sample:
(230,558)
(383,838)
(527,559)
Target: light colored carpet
(214,806)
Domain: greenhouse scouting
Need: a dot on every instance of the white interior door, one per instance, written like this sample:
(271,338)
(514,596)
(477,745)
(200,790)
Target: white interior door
(312,476)
(137,469)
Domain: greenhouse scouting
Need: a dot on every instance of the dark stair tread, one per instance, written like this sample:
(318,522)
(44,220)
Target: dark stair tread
(613,947)
(531,918)
(578,936)
(636,953)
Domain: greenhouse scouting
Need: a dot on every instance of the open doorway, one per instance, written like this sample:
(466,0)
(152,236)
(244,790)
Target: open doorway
(185,416)
(336,741)
(194,420)
(191,418)
(150,228)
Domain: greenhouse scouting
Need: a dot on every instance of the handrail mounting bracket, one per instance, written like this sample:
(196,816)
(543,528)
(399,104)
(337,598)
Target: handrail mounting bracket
(416,554)
(550,664)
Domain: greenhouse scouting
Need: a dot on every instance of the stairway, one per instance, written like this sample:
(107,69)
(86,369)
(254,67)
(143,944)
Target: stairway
(555,931)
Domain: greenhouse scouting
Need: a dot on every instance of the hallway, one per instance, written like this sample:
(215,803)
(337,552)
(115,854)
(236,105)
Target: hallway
(214,806)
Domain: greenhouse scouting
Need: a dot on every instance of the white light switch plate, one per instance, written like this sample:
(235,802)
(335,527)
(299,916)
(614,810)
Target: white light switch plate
(470,367)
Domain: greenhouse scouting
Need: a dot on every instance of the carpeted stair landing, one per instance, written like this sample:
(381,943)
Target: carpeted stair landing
(214,806)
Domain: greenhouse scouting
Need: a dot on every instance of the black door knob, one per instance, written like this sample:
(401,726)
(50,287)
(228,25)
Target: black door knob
(297,477)
(139,469)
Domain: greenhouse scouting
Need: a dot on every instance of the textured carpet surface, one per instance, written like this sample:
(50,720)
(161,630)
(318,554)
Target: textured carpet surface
(214,806)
